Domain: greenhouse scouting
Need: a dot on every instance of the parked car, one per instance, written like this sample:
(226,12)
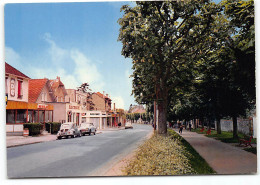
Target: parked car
(68,129)
(128,125)
(87,128)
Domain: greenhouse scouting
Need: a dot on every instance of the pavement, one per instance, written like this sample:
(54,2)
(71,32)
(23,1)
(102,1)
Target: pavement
(13,141)
(224,158)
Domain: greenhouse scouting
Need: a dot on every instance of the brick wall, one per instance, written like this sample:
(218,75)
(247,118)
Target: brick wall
(99,102)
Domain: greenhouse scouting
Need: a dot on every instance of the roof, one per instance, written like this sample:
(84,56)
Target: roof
(102,95)
(11,70)
(55,84)
(35,88)
(138,111)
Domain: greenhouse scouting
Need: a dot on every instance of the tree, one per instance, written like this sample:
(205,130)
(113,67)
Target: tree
(85,89)
(241,16)
(163,39)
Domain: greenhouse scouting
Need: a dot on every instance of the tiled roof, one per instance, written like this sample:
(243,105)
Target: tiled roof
(11,70)
(35,88)
(101,95)
(55,84)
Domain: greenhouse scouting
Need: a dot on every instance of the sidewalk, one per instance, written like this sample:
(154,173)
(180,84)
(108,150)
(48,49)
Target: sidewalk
(12,141)
(222,157)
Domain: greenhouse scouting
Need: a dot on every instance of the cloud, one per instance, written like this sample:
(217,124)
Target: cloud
(86,71)
(71,65)
(12,58)
(119,101)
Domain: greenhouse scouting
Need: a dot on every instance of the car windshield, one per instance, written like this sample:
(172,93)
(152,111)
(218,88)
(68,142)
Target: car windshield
(66,126)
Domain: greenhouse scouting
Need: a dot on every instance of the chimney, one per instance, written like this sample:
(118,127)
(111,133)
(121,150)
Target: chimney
(57,79)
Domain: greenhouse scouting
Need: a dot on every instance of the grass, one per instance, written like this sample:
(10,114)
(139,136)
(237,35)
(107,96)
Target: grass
(167,155)
(226,137)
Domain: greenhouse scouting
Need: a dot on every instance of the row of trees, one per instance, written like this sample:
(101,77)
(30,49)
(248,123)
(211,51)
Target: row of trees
(196,59)
(136,116)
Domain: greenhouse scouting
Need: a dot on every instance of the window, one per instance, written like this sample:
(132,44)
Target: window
(20,89)
(44,96)
(41,116)
(35,117)
(30,116)
(10,116)
(21,116)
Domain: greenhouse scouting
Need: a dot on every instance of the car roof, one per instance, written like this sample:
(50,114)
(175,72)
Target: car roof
(68,123)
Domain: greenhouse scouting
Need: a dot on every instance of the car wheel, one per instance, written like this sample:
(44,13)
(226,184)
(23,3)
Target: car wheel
(59,137)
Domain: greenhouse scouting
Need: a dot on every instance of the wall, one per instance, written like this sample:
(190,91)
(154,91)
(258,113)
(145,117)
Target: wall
(24,89)
(14,129)
(99,102)
(46,91)
(243,125)
(59,112)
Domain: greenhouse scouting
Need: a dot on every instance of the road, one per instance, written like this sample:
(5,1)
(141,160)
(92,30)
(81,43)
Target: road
(84,156)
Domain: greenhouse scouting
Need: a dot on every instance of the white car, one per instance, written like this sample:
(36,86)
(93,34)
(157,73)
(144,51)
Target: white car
(87,128)
(67,130)
(128,125)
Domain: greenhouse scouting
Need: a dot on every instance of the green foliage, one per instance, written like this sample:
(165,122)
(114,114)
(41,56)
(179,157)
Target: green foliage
(163,38)
(53,126)
(226,137)
(167,155)
(34,128)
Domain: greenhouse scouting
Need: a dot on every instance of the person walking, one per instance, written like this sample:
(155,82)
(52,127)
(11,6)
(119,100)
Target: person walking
(190,126)
(180,130)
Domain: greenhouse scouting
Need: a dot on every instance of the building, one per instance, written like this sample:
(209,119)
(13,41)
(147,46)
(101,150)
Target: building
(41,94)
(100,115)
(16,89)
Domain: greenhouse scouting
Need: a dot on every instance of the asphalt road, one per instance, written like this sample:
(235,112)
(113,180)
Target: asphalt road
(76,157)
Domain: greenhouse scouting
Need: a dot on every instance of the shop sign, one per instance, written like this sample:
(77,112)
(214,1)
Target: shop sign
(42,106)
(94,114)
(83,114)
(12,87)
(73,107)
(6,98)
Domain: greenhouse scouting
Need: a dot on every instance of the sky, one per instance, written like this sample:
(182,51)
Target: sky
(75,41)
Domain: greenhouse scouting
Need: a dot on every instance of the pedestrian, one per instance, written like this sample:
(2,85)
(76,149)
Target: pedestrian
(180,130)
(190,126)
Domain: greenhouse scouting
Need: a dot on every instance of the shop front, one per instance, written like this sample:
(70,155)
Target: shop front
(100,119)
(18,113)
(73,111)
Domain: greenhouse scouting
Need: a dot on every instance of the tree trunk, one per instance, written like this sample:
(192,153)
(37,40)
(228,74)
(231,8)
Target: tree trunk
(218,126)
(235,132)
(162,117)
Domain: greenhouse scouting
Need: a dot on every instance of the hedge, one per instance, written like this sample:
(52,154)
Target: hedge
(34,128)
(55,127)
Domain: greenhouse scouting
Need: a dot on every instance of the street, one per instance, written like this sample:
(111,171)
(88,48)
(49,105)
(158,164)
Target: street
(84,156)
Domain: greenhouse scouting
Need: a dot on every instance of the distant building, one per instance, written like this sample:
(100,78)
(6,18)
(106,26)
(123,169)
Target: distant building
(137,109)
